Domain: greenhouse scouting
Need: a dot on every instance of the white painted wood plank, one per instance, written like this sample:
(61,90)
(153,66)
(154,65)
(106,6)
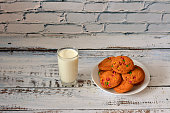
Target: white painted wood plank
(40,69)
(82,98)
(95,111)
(84,42)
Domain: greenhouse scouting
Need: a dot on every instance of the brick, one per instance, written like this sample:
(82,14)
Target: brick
(107,17)
(95,7)
(43,18)
(159,28)
(19,6)
(10,17)
(125,6)
(94,27)
(25,28)
(166,18)
(39,0)
(1,27)
(9,35)
(62,6)
(159,7)
(63,29)
(76,1)
(125,28)
(141,17)
(80,17)
(7,0)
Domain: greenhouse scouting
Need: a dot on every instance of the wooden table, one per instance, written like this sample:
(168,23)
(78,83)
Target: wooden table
(29,80)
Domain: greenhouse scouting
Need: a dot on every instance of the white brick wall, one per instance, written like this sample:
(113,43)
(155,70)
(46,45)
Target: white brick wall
(44,18)
(62,6)
(159,28)
(7,0)
(19,6)
(81,17)
(64,29)
(159,7)
(1,28)
(94,27)
(25,28)
(84,16)
(166,18)
(125,28)
(113,6)
(10,17)
(144,17)
(95,7)
(110,17)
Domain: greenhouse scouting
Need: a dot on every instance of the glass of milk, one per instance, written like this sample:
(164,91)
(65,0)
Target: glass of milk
(68,65)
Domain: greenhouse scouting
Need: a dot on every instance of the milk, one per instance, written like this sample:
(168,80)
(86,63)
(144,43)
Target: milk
(68,65)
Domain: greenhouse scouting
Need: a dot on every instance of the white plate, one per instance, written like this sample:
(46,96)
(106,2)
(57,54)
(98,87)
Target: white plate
(136,89)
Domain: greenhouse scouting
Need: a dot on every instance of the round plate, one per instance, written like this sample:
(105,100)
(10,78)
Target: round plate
(136,89)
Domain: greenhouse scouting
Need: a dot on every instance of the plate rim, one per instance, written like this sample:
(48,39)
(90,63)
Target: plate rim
(143,86)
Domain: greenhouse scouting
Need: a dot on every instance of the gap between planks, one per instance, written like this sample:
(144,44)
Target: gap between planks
(90,49)
(91,110)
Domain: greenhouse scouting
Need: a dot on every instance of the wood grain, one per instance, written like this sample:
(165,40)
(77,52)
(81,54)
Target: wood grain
(29,81)
(95,111)
(82,98)
(87,42)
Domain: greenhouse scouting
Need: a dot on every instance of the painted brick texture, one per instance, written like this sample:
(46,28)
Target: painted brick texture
(6,18)
(125,6)
(144,17)
(44,18)
(83,17)
(62,6)
(25,28)
(63,29)
(95,7)
(159,28)
(94,27)
(159,7)
(166,18)
(19,6)
(112,18)
(125,28)
(1,28)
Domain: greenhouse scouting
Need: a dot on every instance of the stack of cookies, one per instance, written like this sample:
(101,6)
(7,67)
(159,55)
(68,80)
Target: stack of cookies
(120,73)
